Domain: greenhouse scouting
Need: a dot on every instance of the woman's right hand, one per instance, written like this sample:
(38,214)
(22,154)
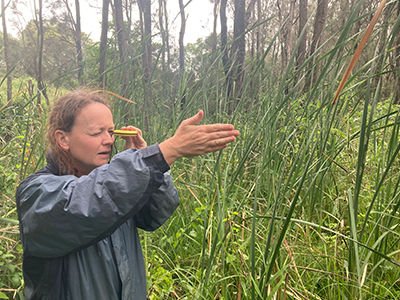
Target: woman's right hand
(194,140)
(137,141)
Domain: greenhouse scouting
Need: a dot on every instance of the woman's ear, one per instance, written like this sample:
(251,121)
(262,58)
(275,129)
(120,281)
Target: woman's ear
(61,139)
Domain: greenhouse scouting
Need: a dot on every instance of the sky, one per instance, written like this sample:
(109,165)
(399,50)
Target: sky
(199,14)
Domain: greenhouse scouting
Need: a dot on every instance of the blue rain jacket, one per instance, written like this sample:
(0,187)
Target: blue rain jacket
(79,235)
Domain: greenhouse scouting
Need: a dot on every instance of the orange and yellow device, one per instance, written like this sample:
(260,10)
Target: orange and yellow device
(125,133)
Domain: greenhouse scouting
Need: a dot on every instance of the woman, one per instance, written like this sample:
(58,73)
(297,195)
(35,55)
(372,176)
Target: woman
(78,215)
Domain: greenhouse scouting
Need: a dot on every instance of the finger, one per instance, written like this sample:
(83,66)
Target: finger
(194,120)
(129,127)
(127,138)
(223,141)
(217,148)
(217,127)
(138,131)
(132,128)
(228,135)
(128,143)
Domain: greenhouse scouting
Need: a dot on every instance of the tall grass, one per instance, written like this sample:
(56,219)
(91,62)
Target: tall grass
(304,205)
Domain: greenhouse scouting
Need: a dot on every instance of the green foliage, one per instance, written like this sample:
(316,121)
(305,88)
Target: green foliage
(59,53)
(15,58)
(11,277)
(21,153)
(159,281)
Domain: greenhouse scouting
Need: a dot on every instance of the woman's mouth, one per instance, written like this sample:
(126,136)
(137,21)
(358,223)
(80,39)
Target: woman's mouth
(105,153)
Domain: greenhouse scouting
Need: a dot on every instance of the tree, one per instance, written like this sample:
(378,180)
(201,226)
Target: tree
(167,34)
(214,33)
(301,53)
(63,11)
(163,23)
(145,8)
(119,22)
(103,44)
(59,54)
(224,37)
(250,18)
(6,53)
(122,42)
(39,79)
(75,27)
(286,21)
(145,12)
(319,25)
(233,63)
(162,31)
(237,53)
(182,51)
(78,40)
(258,34)
(397,62)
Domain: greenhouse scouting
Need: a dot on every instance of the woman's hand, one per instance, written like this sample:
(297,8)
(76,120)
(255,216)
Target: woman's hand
(191,140)
(136,142)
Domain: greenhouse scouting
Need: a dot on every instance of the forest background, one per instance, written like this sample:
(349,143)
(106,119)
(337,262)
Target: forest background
(305,204)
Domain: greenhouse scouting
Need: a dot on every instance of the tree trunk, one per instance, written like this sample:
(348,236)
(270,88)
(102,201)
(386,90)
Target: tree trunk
(288,26)
(302,23)
(167,34)
(40,84)
(224,39)
(237,54)
(252,17)
(119,22)
(161,24)
(141,25)
(78,41)
(214,34)
(249,11)
(397,63)
(77,33)
(258,35)
(282,34)
(388,12)
(103,44)
(122,43)
(319,25)
(6,54)
(182,52)
(145,9)
(344,8)
(128,14)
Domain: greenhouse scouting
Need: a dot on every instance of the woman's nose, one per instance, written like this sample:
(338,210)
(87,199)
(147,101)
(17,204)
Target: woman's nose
(108,139)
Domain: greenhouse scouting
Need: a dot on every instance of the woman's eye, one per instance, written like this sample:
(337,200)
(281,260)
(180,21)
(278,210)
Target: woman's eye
(111,132)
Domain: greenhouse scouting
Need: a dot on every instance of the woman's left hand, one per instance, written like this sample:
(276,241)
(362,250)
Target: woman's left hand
(136,142)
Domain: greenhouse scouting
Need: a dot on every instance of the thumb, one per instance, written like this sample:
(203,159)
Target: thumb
(195,119)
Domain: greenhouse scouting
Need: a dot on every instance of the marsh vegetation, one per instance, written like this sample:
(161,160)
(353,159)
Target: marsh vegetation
(304,205)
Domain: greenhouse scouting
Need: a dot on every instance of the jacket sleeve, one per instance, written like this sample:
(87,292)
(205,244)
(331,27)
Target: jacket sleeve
(159,207)
(162,202)
(62,214)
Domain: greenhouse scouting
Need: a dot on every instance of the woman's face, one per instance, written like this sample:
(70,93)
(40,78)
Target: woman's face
(91,139)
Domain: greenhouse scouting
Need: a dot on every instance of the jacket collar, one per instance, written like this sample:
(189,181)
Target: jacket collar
(54,164)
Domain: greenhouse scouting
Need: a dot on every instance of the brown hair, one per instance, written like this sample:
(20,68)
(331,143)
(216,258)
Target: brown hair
(62,117)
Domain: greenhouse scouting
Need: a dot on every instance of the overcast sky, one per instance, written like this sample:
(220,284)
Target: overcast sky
(199,15)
